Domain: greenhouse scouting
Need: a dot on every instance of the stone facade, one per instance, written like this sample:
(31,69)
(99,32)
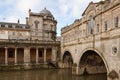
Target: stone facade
(94,40)
(31,43)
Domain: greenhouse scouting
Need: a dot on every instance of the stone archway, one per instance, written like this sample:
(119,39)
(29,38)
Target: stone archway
(91,63)
(67,59)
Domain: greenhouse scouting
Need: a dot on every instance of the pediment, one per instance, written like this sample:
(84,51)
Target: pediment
(114,2)
(89,8)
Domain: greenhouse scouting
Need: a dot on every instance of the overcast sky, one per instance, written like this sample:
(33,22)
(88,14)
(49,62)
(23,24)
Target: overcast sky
(64,11)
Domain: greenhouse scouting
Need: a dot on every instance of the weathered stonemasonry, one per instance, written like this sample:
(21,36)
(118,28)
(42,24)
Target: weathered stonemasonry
(32,43)
(93,42)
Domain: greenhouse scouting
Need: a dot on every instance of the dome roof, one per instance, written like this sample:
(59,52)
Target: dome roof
(45,12)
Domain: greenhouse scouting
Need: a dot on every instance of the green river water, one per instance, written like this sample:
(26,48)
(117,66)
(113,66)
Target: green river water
(47,74)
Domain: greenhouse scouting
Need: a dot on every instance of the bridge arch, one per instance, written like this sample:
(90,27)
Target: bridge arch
(67,59)
(92,62)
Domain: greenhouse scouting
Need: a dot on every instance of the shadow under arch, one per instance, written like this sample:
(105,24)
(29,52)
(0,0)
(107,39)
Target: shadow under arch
(67,59)
(92,62)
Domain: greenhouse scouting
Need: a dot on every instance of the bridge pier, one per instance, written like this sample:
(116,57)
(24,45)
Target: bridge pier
(114,72)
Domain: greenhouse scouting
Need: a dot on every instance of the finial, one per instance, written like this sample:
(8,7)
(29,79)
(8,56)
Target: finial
(45,8)
(29,10)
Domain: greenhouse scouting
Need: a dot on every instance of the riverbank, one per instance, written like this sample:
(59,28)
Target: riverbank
(24,67)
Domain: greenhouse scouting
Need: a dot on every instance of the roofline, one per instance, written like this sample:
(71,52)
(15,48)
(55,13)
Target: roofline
(39,14)
(12,23)
(88,6)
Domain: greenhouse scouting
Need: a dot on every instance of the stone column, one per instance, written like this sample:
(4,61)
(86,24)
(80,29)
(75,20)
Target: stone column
(6,56)
(37,57)
(44,55)
(54,54)
(26,56)
(15,55)
(77,70)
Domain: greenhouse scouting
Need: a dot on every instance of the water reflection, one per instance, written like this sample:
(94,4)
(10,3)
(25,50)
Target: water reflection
(53,74)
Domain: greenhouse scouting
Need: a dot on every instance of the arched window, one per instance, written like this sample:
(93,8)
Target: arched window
(36,24)
(91,24)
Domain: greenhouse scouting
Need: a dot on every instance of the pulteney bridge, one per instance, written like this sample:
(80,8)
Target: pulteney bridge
(93,42)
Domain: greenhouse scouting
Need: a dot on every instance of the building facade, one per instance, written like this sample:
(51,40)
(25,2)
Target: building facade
(93,42)
(31,43)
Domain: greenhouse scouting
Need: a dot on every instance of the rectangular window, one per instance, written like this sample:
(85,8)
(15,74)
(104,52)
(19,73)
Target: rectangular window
(98,28)
(10,26)
(17,26)
(91,31)
(10,54)
(116,20)
(2,25)
(40,53)
(20,34)
(106,25)
(13,33)
(52,28)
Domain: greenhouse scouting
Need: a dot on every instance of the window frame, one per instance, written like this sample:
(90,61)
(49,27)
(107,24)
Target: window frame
(91,24)
(36,24)
(98,28)
(40,54)
(116,22)
(106,25)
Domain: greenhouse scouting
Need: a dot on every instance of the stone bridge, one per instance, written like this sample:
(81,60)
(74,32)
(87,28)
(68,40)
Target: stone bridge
(93,42)
(100,56)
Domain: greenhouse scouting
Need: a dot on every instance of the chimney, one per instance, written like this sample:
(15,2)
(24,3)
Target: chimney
(29,11)
(27,20)
(18,21)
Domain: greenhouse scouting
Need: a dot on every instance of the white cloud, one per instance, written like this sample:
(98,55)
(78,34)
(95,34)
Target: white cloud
(75,8)
(64,11)
(64,8)
(12,19)
(25,5)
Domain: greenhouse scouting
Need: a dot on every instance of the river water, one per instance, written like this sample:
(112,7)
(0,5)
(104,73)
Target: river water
(47,74)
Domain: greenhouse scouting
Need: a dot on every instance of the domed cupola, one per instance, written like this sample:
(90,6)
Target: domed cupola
(46,12)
